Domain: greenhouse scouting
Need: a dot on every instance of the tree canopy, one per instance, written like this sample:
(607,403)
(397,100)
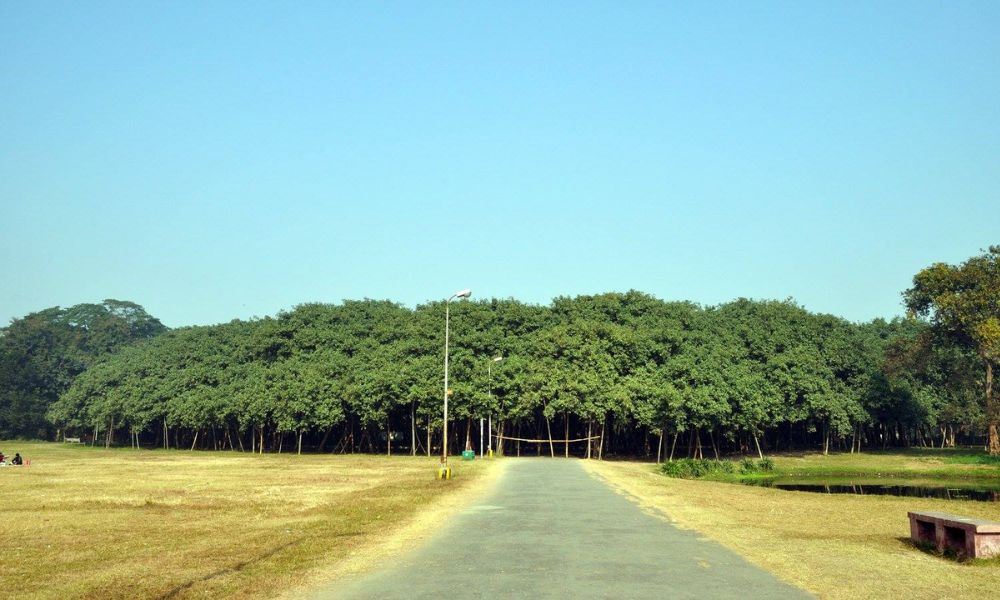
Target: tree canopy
(624,373)
(963,303)
(42,353)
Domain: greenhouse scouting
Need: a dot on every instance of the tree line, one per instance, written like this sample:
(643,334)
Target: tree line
(616,373)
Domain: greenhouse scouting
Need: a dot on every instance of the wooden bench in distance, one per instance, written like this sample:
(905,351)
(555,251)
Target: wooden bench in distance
(969,538)
(72,440)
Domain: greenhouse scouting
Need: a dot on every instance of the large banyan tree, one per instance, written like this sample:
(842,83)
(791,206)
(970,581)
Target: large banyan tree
(616,373)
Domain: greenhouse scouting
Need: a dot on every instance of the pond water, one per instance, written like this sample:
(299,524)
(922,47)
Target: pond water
(984,493)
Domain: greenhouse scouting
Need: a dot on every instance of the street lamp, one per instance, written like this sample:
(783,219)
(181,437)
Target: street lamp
(489,393)
(444,471)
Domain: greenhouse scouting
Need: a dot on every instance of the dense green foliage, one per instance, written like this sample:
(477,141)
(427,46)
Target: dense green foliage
(963,302)
(42,353)
(693,468)
(636,374)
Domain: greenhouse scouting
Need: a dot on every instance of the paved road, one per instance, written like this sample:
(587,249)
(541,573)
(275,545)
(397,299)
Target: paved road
(550,530)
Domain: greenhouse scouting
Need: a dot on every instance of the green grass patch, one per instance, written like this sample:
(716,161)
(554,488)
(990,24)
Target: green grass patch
(952,467)
(923,463)
(973,459)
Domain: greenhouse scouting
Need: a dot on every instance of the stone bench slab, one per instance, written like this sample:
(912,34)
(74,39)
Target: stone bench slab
(971,538)
(968,523)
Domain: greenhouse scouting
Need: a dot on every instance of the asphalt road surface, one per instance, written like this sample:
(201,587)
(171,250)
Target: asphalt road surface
(551,530)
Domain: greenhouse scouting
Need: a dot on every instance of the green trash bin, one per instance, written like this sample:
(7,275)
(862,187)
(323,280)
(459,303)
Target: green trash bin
(468,454)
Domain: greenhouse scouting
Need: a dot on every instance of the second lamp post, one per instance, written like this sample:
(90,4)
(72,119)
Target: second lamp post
(489,393)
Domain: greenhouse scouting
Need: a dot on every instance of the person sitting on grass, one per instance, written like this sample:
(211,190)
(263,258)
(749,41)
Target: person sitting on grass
(1,457)
(17,459)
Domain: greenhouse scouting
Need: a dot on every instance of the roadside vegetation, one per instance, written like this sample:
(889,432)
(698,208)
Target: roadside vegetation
(88,522)
(835,546)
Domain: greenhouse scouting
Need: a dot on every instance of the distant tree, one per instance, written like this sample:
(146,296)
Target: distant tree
(963,303)
(42,353)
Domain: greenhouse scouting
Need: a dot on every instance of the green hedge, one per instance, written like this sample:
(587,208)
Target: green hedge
(689,468)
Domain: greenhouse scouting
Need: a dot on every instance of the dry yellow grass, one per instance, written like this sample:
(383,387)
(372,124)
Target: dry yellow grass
(84,522)
(836,546)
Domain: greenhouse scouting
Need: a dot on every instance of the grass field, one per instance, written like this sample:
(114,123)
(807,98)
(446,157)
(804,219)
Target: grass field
(951,463)
(836,546)
(87,522)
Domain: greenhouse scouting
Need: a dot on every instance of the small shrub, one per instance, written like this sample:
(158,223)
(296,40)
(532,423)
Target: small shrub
(680,469)
(766,464)
(748,466)
(687,468)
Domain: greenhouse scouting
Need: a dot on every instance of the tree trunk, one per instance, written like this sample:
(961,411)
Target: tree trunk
(567,434)
(195,441)
(757,443)
(992,412)
(672,446)
(590,442)
(299,449)
(600,449)
(428,437)
(420,446)
(552,448)
(413,428)
(697,441)
(326,436)
(659,448)
(826,439)
(388,438)
(500,425)
(715,448)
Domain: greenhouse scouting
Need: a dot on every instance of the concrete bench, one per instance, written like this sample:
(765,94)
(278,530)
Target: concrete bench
(969,538)
(71,440)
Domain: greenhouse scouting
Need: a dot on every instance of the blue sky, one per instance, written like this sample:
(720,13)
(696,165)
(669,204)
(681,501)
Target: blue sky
(218,160)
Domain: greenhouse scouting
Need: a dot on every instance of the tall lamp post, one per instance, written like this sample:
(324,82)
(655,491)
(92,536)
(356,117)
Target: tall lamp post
(489,393)
(444,471)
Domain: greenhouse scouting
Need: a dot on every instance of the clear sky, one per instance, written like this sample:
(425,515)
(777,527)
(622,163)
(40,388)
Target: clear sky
(216,160)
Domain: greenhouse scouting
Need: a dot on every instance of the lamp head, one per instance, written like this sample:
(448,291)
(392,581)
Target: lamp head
(463,294)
